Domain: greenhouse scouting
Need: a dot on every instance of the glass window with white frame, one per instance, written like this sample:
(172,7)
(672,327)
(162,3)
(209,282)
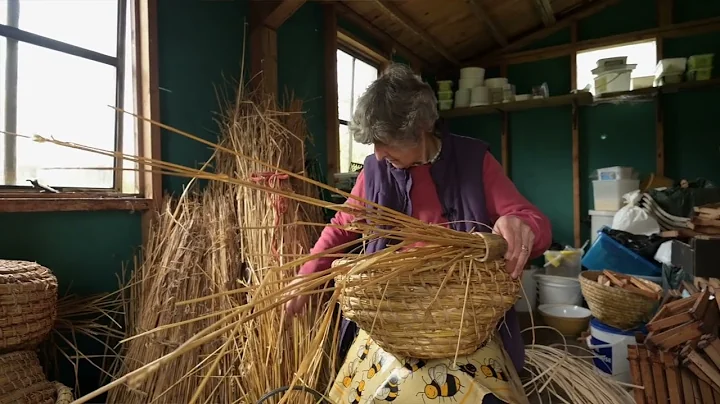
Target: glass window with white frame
(643,54)
(354,76)
(63,65)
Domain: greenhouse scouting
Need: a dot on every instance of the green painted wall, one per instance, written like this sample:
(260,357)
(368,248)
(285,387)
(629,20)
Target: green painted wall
(624,134)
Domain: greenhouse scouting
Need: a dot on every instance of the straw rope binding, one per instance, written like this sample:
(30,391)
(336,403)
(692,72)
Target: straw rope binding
(22,380)
(613,306)
(28,304)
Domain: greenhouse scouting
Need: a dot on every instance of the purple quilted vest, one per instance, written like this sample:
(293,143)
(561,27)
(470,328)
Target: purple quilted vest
(458,177)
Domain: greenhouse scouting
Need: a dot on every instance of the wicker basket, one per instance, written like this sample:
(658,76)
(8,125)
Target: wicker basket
(22,380)
(614,306)
(423,314)
(63,393)
(28,304)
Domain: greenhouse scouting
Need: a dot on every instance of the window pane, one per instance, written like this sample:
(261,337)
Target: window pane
(345,84)
(365,74)
(643,54)
(344,149)
(360,151)
(66,97)
(89,24)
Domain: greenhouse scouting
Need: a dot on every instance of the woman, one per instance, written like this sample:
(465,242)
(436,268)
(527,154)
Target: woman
(436,177)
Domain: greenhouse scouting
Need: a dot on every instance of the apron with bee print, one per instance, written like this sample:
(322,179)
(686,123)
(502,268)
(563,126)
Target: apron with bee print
(372,376)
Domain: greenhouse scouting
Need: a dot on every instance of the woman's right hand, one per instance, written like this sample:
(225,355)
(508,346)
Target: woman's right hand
(297,304)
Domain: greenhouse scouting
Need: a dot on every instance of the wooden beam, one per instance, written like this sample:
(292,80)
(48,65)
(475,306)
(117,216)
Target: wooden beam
(505,135)
(670,31)
(346,39)
(546,12)
(584,12)
(282,12)
(393,11)
(664,13)
(148,105)
(485,19)
(263,48)
(577,214)
(330,43)
(344,11)
(74,205)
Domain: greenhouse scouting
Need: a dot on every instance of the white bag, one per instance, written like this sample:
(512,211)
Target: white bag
(633,219)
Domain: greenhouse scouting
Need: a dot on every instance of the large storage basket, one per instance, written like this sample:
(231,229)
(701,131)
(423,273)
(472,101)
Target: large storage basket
(28,304)
(614,306)
(22,380)
(435,311)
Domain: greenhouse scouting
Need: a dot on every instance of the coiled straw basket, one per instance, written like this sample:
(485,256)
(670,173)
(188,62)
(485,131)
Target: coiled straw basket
(427,308)
(22,380)
(615,306)
(28,304)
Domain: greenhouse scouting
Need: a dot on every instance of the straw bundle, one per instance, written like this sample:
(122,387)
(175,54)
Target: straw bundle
(617,307)
(28,304)
(445,304)
(22,380)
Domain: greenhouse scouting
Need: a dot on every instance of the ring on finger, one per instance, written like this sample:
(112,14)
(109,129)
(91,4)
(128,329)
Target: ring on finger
(524,248)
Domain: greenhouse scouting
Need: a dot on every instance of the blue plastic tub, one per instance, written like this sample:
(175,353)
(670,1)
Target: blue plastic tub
(606,253)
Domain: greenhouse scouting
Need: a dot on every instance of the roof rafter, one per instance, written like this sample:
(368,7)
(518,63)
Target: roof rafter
(546,12)
(486,20)
(393,11)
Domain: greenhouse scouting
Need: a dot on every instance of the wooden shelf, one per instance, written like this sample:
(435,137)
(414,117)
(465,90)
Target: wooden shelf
(583,99)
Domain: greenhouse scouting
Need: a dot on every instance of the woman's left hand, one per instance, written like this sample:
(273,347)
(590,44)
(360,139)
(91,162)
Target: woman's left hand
(520,239)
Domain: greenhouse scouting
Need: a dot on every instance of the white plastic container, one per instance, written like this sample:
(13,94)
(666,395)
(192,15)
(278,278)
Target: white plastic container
(642,82)
(670,67)
(496,82)
(614,173)
(469,83)
(599,219)
(445,105)
(612,81)
(610,347)
(445,95)
(444,85)
(462,98)
(530,287)
(479,96)
(472,72)
(608,195)
(558,290)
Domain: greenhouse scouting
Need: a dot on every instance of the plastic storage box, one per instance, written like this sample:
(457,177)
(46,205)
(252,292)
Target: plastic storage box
(606,253)
(615,173)
(607,195)
(701,61)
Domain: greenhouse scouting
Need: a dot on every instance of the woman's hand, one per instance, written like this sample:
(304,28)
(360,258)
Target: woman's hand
(297,304)
(520,239)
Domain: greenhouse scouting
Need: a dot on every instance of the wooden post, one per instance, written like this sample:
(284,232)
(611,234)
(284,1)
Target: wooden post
(331,91)
(575,144)
(505,135)
(664,14)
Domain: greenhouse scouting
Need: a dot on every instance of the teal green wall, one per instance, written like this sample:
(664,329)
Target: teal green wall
(624,134)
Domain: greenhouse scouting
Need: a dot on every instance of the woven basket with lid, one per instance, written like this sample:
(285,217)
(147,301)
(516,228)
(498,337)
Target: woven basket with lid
(614,306)
(424,313)
(28,304)
(22,380)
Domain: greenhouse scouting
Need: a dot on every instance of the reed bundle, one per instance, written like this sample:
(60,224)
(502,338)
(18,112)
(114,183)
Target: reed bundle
(568,378)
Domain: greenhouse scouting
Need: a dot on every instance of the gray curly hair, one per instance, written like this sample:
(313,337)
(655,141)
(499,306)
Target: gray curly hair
(396,109)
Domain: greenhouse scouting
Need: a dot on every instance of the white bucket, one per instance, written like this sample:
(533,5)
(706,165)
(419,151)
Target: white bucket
(598,220)
(472,72)
(610,347)
(612,81)
(479,96)
(558,290)
(530,287)
(469,83)
(462,98)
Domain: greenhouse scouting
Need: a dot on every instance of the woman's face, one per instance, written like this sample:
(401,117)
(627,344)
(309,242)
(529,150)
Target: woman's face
(399,156)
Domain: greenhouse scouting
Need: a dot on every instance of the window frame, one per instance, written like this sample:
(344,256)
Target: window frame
(143,33)
(365,53)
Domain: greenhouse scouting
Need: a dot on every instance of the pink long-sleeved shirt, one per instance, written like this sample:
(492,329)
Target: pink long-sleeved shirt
(501,197)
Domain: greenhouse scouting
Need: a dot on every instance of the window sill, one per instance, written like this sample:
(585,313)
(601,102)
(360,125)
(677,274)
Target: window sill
(71,203)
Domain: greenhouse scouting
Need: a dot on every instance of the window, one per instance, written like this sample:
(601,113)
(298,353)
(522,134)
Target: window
(643,54)
(62,64)
(354,76)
